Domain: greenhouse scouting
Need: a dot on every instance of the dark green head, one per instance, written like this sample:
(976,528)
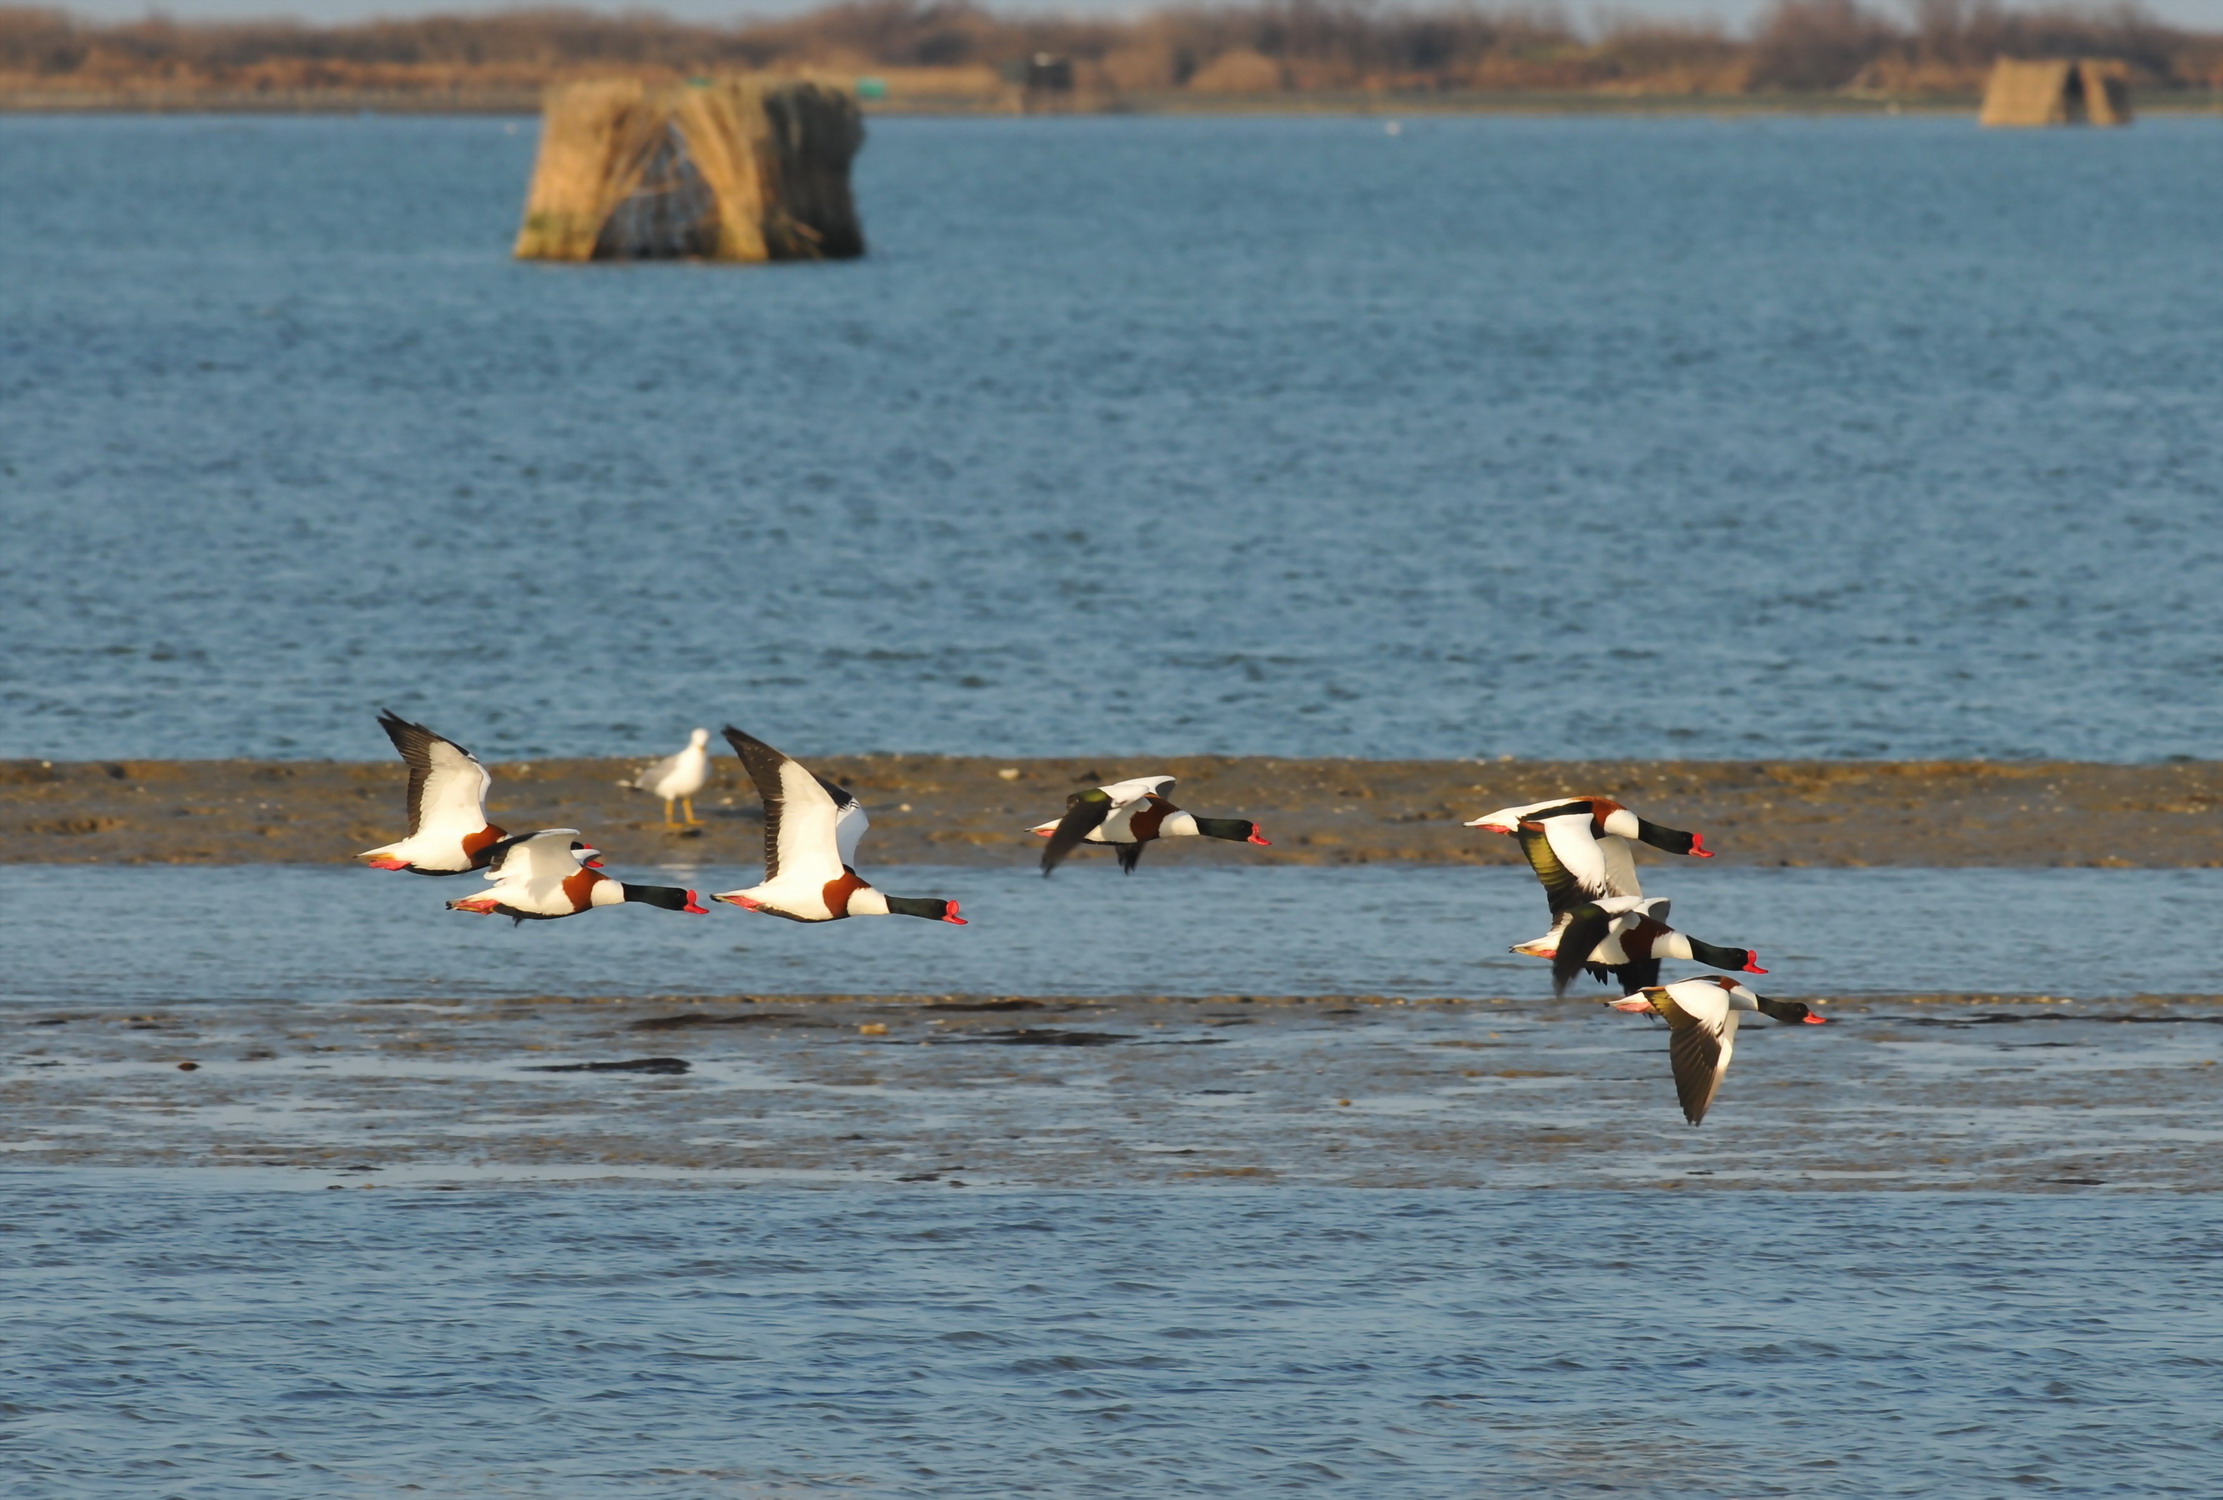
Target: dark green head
(1235,830)
(1673,840)
(927,907)
(669,897)
(1714,956)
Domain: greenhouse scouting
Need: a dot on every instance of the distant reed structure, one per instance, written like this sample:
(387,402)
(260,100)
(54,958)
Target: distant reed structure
(2056,91)
(746,168)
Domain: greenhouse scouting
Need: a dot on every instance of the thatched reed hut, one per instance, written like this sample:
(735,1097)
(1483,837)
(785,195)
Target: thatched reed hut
(2056,91)
(742,169)
(1241,71)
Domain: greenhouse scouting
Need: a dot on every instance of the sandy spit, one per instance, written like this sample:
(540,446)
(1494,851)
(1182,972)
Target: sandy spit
(974,810)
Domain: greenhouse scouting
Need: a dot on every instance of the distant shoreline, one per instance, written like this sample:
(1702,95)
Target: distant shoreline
(513,101)
(963,810)
(508,102)
(1228,57)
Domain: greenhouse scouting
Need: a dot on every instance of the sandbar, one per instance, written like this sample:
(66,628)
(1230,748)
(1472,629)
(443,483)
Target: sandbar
(973,810)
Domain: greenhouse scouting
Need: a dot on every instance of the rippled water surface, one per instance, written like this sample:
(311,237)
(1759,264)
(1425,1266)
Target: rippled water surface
(94,935)
(1201,1342)
(1557,437)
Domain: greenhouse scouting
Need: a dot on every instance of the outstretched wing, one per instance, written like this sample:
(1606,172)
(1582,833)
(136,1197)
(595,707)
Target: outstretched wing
(1587,926)
(1085,812)
(1125,793)
(1620,867)
(1704,1036)
(545,854)
(447,785)
(850,824)
(802,814)
(1560,889)
(1575,849)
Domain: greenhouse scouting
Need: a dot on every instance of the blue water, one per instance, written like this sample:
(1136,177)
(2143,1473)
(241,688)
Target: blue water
(104,935)
(1199,1342)
(1547,437)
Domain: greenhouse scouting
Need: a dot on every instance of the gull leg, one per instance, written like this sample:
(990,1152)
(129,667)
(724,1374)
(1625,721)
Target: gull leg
(688,803)
(669,820)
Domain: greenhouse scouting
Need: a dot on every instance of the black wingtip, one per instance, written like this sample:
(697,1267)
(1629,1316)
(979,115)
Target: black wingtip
(762,760)
(413,741)
(1085,813)
(1586,928)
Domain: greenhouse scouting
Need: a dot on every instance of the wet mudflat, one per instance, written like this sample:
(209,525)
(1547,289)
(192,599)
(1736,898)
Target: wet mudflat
(310,1188)
(1047,1092)
(1183,1026)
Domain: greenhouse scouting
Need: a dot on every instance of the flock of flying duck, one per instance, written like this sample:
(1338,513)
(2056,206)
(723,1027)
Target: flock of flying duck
(1579,847)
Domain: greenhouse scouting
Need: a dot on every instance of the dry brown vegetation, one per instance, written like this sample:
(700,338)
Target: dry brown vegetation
(954,48)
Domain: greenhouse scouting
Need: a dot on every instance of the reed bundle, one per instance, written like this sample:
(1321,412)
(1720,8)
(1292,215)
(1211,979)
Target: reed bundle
(2056,91)
(746,168)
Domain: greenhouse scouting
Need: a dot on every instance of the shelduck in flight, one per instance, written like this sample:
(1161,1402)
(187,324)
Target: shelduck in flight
(1578,846)
(811,829)
(1128,815)
(448,831)
(1701,1016)
(541,876)
(676,778)
(1621,939)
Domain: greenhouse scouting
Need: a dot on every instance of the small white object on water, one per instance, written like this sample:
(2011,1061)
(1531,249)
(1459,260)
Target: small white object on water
(1394,127)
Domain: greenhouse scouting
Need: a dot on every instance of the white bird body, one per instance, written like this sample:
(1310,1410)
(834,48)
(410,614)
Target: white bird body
(1701,1016)
(1127,815)
(550,874)
(448,831)
(677,778)
(532,874)
(1128,798)
(1627,936)
(1626,914)
(1579,846)
(811,832)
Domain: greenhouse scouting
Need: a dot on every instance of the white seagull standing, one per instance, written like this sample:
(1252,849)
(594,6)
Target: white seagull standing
(811,829)
(676,778)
